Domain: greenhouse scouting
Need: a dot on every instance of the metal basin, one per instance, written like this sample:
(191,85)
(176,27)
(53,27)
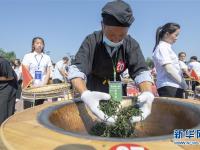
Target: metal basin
(75,119)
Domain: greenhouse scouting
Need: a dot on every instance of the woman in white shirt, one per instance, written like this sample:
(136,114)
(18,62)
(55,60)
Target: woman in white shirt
(38,64)
(170,81)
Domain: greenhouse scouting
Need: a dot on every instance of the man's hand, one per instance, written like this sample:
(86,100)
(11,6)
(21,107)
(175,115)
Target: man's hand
(145,102)
(92,99)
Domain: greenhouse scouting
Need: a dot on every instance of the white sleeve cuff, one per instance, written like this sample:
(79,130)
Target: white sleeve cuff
(144,76)
(74,72)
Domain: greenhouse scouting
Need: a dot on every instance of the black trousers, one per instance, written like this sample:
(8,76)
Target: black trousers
(28,104)
(7,99)
(19,90)
(194,84)
(169,91)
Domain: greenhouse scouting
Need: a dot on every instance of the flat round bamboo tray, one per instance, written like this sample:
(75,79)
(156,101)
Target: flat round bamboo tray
(71,120)
(47,91)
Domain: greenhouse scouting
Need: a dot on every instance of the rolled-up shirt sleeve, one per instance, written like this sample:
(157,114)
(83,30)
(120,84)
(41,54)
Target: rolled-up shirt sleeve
(144,76)
(74,72)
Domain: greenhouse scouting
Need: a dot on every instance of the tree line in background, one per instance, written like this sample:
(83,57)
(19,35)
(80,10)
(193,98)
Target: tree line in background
(10,56)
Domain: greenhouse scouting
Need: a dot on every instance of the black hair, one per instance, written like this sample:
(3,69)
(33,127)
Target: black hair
(33,41)
(194,58)
(167,28)
(65,58)
(179,54)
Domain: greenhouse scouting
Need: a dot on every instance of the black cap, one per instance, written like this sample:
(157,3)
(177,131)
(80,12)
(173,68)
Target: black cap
(117,13)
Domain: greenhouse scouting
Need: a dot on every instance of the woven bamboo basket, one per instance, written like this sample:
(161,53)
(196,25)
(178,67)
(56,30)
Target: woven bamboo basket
(48,91)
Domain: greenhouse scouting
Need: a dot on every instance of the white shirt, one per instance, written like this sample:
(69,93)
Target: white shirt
(59,66)
(18,71)
(162,55)
(183,65)
(195,66)
(37,62)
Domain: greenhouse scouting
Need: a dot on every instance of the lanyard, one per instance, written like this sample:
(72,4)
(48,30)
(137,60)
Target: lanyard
(115,65)
(38,62)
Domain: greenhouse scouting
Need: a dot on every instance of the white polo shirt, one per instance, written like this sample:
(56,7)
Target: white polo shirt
(183,65)
(59,66)
(195,66)
(37,62)
(162,55)
(18,71)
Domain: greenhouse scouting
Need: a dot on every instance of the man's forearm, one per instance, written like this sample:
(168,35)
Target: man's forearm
(186,72)
(79,84)
(62,72)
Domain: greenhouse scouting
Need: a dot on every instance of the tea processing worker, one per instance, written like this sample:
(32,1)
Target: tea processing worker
(104,55)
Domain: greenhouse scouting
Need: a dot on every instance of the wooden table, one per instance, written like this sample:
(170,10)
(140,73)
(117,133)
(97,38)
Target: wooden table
(23,132)
(2,146)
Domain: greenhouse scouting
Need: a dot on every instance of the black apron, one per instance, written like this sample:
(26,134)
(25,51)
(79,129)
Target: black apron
(102,68)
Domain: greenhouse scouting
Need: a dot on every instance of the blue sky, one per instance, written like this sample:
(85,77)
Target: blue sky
(65,23)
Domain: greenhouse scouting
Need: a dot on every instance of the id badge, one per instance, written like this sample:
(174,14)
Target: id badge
(115,90)
(38,75)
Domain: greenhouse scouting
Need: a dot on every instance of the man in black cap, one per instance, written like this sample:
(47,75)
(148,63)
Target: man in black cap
(104,55)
